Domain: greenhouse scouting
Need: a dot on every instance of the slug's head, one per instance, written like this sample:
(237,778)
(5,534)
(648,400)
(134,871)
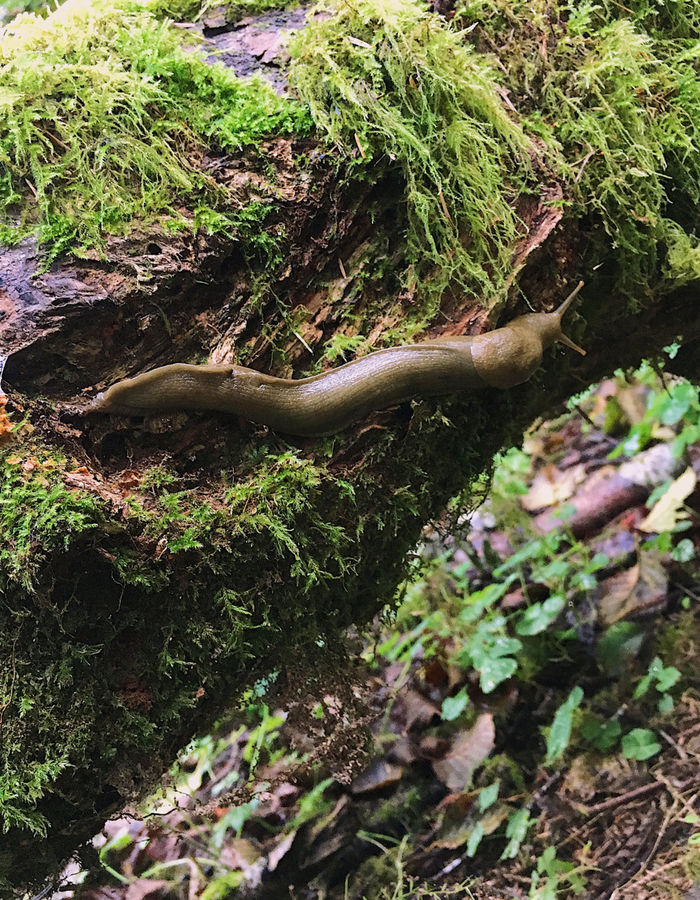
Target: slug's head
(510,355)
(548,325)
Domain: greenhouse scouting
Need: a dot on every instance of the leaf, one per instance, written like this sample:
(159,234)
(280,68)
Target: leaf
(618,589)
(618,646)
(475,839)
(516,831)
(468,751)
(452,707)
(494,671)
(488,795)
(377,776)
(668,511)
(560,732)
(551,486)
(640,744)
(479,601)
(665,704)
(603,735)
(684,551)
(640,589)
(540,615)
(666,678)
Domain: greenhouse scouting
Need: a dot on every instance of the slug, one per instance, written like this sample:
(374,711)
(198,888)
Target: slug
(328,403)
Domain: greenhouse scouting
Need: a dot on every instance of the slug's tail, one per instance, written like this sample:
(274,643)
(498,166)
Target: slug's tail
(562,338)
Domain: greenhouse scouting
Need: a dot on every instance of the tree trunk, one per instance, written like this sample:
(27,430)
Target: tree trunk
(152,569)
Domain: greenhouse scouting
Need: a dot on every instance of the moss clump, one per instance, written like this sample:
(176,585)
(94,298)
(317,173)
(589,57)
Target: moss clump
(194,10)
(613,91)
(39,515)
(605,95)
(388,79)
(105,117)
(234,578)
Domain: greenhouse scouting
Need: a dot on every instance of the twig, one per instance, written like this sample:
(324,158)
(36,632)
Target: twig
(301,340)
(614,802)
(583,164)
(445,209)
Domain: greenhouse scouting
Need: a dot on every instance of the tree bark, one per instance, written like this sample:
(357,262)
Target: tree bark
(152,569)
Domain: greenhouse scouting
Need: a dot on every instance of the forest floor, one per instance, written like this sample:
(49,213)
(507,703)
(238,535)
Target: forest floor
(531,713)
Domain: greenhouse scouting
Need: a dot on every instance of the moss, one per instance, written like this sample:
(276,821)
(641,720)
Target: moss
(613,91)
(605,96)
(38,516)
(105,118)
(113,678)
(194,10)
(389,79)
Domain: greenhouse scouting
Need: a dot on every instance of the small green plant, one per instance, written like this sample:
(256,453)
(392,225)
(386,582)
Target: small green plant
(693,819)
(554,876)
(516,830)
(663,678)
(675,405)
(640,743)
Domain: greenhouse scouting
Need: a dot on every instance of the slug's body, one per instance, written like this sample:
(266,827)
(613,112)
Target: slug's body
(328,403)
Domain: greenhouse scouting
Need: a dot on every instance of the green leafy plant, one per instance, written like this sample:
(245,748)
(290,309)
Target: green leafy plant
(552,876)
(673,405)
(640,743)
(663,678)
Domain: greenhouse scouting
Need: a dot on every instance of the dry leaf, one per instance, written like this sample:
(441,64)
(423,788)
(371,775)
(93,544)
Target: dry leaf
(468,750)
(551,486)
(454,834)
(266,44)
(618,590)
(640,589)
(415,709)
(239,854)
(668,510)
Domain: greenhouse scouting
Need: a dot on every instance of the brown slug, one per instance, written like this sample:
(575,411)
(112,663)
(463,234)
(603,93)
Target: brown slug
(328,403)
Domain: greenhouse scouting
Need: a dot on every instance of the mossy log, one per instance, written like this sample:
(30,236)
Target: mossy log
(417,181)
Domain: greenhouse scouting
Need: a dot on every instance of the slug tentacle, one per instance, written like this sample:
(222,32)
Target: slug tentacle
(328,403)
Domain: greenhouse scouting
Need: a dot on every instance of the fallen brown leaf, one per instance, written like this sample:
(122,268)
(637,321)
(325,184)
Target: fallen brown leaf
(469,749)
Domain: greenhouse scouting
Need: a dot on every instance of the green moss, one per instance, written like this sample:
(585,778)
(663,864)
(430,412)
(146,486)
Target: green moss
(194,10)
(105,118)
(107,672)
(613,91)
(606,95)
(38,516)
(392,81)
